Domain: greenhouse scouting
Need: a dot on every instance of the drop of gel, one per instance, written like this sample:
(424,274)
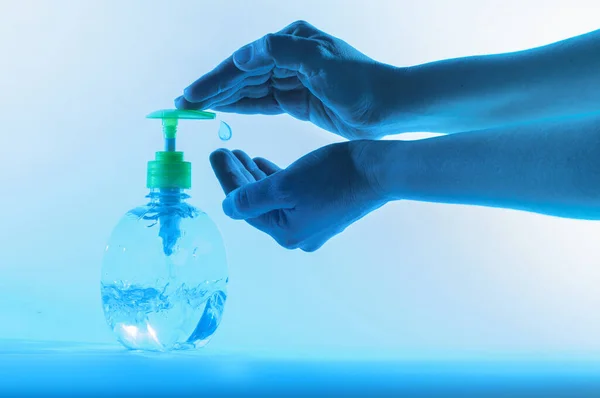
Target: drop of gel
(224,131)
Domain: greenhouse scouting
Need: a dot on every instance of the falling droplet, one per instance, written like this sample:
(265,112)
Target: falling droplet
(224,131)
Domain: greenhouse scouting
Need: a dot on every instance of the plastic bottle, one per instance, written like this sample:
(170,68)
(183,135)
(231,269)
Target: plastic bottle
(164,272)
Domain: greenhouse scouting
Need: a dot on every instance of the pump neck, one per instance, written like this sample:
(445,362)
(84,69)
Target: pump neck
(167,195)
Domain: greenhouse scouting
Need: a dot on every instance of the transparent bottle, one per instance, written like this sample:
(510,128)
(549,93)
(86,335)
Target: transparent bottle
(164,272)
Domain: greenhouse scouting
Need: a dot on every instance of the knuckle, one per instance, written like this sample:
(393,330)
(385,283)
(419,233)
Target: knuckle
(312,245)
(309,249)
(268,41)
(259,91)
(228,175)
(290,243)
(253,169)
(241,199)
(301,26)
(263,79)
(243,92)
(221,86)
(300,23)
(287,239)
(282,222)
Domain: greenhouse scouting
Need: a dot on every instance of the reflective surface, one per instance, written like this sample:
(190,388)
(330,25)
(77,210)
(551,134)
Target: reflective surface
(70,369)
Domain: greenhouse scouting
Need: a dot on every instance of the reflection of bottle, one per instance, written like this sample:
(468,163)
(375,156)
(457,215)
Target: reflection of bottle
(164,273)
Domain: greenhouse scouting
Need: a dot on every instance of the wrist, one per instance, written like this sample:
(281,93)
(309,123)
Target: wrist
(410,99)
(399,110)
(382,163)
(451,96)
(418,99)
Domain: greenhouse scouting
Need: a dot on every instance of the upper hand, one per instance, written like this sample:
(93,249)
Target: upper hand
(308,74)
(306,204)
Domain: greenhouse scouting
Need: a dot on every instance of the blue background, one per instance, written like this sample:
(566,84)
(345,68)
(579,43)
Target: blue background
(412,281)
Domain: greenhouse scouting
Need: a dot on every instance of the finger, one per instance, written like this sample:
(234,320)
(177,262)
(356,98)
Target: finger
(182,103)
(302,29)
(251,106)
(227,74)
(249,164)
(266,166)
(255,199)
(282,51)
(297,103)
(282,73)
(229,170)
(300,104)
(220,79)
(247,87)
(251,92)
(286,84)
(247,83)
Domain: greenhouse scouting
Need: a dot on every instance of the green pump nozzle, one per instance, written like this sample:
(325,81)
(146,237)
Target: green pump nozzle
(168,169)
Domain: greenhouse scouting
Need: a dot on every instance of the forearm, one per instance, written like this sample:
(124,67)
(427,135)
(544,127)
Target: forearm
(550,168)
(480,92)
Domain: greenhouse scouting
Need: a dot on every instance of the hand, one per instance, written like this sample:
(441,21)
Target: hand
(308,74)
(306,204)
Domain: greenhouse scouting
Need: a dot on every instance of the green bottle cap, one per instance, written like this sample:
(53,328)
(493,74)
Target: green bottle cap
(168,169)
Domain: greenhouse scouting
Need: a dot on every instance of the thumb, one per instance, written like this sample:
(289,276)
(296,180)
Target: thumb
(284,51)
(255,199)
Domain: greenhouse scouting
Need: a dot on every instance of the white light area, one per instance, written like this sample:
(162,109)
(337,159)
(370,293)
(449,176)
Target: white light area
(152,333)
(132,331)
(411,136)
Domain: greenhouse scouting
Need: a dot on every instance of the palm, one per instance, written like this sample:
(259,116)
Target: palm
(317,196)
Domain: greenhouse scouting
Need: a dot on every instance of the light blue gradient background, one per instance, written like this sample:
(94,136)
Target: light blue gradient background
(411,280)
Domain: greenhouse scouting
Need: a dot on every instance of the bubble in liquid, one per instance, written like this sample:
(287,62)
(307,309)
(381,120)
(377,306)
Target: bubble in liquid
(224,131)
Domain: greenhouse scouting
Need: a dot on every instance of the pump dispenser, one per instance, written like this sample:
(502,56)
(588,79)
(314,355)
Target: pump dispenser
(164,271)
(168,170)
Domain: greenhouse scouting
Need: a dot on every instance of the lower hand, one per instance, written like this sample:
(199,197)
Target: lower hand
(306,204)
(309,75)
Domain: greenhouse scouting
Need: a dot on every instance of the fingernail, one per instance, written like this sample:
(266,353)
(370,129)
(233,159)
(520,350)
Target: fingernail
(243,55)
(188,93)
(182,103)
(179,102)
